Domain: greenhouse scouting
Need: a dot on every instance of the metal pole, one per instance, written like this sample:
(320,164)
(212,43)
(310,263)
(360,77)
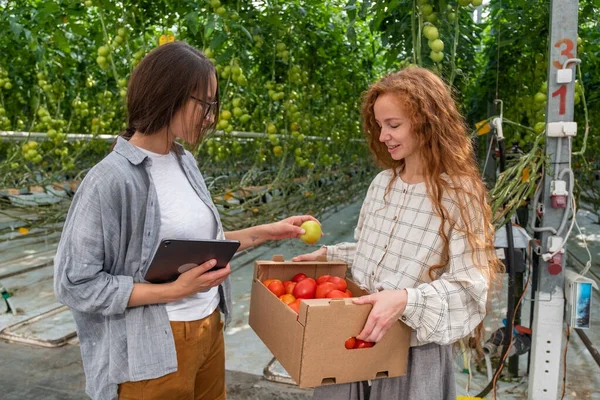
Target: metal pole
(549,299)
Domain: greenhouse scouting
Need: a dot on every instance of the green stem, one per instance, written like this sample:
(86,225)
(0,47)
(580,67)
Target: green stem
(454,46)
(585,111)
(112,61)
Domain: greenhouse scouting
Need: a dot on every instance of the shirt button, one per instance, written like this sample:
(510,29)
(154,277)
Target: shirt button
(385,247)
(395,217)
(403,318)
(372,273)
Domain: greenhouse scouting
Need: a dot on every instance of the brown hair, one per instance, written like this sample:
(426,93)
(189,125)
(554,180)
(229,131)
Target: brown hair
(444,145)
(162,83)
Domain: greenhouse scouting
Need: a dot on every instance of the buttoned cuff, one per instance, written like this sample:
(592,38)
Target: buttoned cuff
(414,310)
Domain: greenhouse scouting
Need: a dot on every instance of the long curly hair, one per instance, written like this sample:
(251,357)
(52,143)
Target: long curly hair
(443,143)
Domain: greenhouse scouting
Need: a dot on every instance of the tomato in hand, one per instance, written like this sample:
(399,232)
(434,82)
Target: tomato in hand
(350,343)
(305,289)
(361,344)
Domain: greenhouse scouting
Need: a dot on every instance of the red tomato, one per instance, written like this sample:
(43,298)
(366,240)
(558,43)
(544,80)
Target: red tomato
(339,282)
(323,278)
(287,298)
(289,287)
(298,277)
(336,294)
(350,343)
(349,293)
(323,289)
(277,288)
(295,305)
(305,289)
(267,282)
(361,344)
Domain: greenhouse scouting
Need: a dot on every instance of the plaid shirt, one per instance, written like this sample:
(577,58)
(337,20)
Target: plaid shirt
(397,243)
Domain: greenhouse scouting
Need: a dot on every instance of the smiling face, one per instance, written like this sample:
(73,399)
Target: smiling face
(395,127)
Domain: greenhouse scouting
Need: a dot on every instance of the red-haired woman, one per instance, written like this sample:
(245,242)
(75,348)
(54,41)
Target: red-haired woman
(424,240)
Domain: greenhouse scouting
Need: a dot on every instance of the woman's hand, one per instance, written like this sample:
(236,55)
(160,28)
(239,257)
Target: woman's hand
(311,256)
(288,228)
(388,306)
(198,280)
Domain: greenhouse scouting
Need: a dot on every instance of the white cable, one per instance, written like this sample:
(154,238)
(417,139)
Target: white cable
(488,366)
(558,146)
(588,264)
(564,241)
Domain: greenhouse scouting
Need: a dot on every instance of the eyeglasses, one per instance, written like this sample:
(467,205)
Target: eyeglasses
(208,105)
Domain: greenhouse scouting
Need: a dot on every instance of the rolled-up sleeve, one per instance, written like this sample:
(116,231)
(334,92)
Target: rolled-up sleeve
(80,277)
(452,306)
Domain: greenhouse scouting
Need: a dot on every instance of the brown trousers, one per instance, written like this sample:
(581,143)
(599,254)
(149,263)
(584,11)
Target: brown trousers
(201,365)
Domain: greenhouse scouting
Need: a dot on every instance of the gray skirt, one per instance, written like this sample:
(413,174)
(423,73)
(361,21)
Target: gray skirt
(429,376)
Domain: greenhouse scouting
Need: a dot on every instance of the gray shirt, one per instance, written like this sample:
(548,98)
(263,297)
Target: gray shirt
(107,242)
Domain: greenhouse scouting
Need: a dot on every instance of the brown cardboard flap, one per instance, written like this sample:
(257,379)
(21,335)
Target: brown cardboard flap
(287,269)
(276,324)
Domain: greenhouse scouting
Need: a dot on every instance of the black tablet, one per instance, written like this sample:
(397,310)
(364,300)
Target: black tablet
(175,256)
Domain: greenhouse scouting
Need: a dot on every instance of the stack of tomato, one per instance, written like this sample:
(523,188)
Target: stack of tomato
(303,287)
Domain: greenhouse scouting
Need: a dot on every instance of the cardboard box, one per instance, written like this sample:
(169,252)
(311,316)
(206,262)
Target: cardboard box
(310,345)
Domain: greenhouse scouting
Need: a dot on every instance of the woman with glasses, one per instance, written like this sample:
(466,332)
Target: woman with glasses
(141,340)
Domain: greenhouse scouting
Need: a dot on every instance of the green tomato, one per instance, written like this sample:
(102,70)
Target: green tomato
(221,11)
(436,45)
(271,128)
(102,51)
(238,112)
(245,118)
(476,3)
(426,9)
(464,3)
(431,33)
(225,114)
(215,3)
(436,56)
(121,32)
(539,127)
(433,18)
(236,102)
(539,97)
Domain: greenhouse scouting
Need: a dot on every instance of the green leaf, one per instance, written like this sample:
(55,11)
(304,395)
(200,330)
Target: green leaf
(218,40)
(209,27)
(15,27)
(61,42)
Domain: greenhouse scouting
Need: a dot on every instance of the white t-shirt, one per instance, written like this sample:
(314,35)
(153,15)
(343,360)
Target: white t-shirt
(183,215)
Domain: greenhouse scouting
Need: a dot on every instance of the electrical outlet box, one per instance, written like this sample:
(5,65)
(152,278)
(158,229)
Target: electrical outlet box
(578,292)
(555,243)
(564,76)
(561,129)
(558,187)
